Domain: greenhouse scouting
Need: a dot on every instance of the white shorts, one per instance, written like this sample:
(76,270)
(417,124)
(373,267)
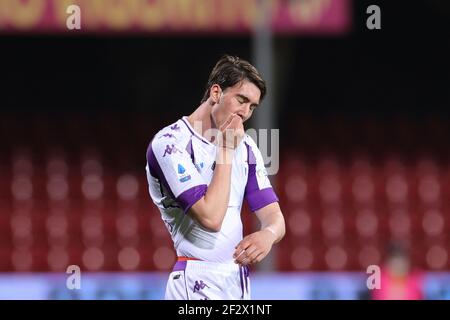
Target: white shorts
(201,280)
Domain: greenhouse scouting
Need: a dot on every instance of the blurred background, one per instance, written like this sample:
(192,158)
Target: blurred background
(364,124)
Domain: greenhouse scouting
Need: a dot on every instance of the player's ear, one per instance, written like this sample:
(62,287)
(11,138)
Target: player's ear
(215,93)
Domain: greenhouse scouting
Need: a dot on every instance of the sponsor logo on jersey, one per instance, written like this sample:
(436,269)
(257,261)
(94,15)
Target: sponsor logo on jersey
(171,149)
(200,285)
(262,173)
(183,176)
(167,135)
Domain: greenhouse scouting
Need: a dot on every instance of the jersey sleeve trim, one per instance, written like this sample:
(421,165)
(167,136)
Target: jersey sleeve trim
(257,198)
(189,197)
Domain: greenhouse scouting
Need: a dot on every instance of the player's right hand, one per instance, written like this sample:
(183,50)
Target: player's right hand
(232,131)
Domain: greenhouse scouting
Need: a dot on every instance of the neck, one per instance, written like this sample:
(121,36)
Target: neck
(202,115)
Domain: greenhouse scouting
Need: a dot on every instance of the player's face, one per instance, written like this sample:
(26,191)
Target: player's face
(241,99)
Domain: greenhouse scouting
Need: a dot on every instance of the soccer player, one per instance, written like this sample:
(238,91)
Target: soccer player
(198,180)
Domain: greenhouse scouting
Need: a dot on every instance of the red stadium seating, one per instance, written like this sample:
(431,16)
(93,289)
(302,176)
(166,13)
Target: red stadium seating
(75,192)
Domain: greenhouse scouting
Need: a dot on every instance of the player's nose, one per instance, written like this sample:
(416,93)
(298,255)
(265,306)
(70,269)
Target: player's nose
(244,113)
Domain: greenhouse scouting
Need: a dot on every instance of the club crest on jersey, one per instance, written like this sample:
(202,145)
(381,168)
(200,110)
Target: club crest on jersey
(199,166)
(183,176)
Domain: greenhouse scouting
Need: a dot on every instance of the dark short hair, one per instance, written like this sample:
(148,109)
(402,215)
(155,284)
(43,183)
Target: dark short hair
(230,70)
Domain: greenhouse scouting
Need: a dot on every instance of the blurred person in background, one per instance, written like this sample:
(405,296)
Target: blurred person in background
(399,280)
(198,182)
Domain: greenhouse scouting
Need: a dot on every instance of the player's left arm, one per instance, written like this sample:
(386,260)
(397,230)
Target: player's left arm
(255,247)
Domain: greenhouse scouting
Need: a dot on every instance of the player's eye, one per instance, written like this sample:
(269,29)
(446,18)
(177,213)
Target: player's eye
(240,100)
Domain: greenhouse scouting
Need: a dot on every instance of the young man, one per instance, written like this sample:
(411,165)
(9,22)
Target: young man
(199,180)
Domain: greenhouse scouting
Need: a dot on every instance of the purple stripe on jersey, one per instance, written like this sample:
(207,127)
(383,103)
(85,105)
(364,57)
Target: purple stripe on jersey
(261,198)
(250,155)
(188,198)
(255,197)
(155,169)
(242,281)
(194,133)
(252,183)
(180,266)
(190,151)
(246,274)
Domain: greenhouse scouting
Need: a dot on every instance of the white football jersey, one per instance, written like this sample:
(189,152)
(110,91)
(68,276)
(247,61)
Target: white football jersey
(180,166)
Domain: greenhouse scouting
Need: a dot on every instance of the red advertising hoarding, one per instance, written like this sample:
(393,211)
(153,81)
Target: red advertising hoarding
(176,16)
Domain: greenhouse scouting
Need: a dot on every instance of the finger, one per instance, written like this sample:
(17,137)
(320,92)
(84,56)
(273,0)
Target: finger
(246,254)
(232,125)
(240,258)
(238,127)
(235,131)
(243,245)
(235,123)
(257,258)
(227,122)
(238,253)
(250,260)
(240,246)
(250,256)
(240,133)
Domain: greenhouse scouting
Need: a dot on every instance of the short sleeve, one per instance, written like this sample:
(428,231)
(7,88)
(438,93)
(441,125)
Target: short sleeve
(258,190)
(172,164)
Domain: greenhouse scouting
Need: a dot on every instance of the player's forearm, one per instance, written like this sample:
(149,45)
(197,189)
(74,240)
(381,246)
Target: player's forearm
(274,224)
(218,193)
(210,210)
